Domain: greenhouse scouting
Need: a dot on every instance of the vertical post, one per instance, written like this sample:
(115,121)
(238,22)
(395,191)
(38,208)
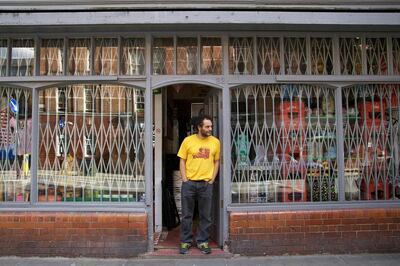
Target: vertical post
(35,145)
(225,187)
(37,56)
(65,55)
(336,55)
(340,142)
(148,158)
(158,105)
(389,61)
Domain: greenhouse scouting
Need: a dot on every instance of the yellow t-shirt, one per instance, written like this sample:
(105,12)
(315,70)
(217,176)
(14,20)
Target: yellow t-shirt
(200,155)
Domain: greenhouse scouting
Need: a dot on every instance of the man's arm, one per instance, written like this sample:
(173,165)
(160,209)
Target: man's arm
(182,169)
(216,168)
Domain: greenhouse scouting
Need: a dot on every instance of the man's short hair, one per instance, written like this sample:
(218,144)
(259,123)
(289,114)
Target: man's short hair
(198,122)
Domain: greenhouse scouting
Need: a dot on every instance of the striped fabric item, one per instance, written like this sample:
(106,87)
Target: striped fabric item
(5,134)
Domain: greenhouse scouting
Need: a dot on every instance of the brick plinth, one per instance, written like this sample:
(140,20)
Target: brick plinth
(72,234)
(312,232)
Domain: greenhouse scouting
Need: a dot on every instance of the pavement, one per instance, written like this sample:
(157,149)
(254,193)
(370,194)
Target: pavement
(323,260)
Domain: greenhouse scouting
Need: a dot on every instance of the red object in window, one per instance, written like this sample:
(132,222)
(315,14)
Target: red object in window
(371,192)
(292,190)
(372,113)
(394,100)
(288,113)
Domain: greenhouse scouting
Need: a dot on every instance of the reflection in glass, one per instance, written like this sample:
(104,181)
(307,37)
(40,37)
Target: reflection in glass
(241,59)
(376,50)
(268,56)
(106,56)
(211,56)
(15,144)
(92,149)
(163,56)
(321,56)
(350,56)
(295,55)
(79,57)
(187,56)
(52,57)
(22,57)
(133,56)
(3,57)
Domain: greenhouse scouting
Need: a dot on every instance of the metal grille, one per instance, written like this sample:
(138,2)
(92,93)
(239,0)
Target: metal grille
(3,57)
(15,144)
(283,144)
(106,56)
(187,56)
(376,49)
(241,59)
(79,51)
(22,57)
(269,56)
(321,56)
(396,56)
(371,142)
(350,56)
(133,56)
(94,150)
(295,56)
(163,56)
(211,56)
(51,57)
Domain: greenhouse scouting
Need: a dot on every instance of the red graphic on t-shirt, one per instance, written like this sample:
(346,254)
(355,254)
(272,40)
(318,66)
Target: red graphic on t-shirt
(204,153)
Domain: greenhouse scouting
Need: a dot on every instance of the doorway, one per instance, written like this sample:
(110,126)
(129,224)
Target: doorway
(173,110)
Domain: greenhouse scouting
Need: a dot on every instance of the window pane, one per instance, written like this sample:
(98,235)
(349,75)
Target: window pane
(396,56)
(241,59)
(3,57)
(350,56)
(211,56)
(283,144)
(187,56)
(372,142)
(106,56)
(163,56)
(133,56)
(321,56)
(295,56)
(91,149)
(376,56)
(15,144)
(79,57)
(23,57)
(52,57)
(269,56)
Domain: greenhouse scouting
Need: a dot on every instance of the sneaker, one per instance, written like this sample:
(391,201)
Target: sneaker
(204,248)
(184,248)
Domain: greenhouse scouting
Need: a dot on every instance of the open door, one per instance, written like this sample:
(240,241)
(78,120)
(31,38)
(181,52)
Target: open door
(174,106)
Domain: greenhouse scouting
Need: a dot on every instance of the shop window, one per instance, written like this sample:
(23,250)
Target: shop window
(211,56)
(371,142)
(3,57)
(15,144)
(396,56)
(52,57)
(133,56)
(295,55)
(283,144)
(163,56)
(241,58)
(376,50)
(351,56)
(79,51)
(321,56)
(268,50)
(22,57)
(92,156)
(106,56)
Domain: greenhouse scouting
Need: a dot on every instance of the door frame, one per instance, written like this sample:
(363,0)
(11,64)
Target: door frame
(150,202)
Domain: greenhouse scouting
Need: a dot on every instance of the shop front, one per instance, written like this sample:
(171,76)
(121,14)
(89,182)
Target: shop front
(91,120)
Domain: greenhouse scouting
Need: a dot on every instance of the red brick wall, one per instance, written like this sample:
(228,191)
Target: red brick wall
(312,232)
(72,234)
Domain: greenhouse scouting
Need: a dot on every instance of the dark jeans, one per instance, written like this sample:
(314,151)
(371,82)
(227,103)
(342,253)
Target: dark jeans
(191,192)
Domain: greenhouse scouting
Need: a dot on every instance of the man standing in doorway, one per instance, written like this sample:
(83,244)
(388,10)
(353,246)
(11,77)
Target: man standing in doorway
(199,163)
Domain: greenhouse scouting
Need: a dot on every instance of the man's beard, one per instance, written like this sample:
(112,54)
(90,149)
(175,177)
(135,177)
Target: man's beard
(205,134)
